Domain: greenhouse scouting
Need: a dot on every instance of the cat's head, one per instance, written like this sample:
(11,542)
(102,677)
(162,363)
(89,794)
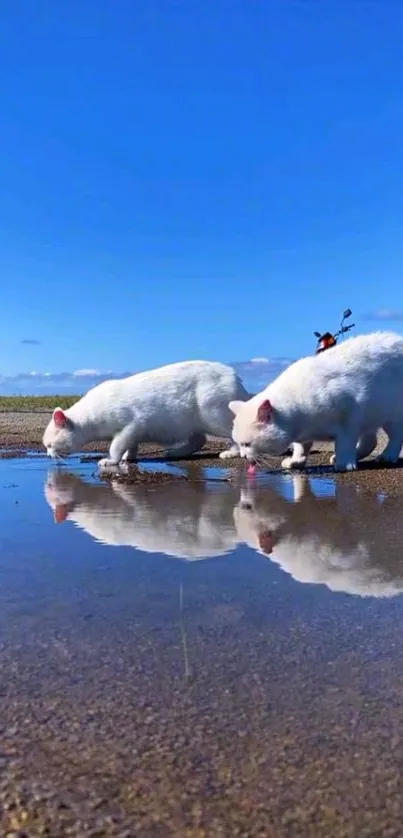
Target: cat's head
(62,437)
(258,428)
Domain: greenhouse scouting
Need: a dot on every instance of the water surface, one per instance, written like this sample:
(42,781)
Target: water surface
(200,658)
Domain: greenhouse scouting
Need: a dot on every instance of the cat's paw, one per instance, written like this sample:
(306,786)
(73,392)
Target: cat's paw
(229,454)
(107,463)
(293,462)
(332,460)
(345,466)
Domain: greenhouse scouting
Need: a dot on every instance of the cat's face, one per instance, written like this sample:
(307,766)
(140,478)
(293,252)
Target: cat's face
(61,437)
(256,429)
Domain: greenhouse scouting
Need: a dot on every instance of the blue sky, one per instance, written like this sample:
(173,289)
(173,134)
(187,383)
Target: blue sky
(200,179)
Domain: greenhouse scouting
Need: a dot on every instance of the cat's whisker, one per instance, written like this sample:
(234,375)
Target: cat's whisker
(261,460)
(60,457)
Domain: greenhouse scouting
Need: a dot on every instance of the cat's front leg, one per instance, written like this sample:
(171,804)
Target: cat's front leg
(300,451)
(124,441)
(130,456)
(346,451)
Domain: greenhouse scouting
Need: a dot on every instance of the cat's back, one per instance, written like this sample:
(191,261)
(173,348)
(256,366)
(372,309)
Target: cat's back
(182,372)
(171,384)
(357,357)
(374,348)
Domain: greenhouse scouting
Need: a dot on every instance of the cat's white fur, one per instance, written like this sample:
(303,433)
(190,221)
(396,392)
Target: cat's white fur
(175,405)
(347,542)
(344,394)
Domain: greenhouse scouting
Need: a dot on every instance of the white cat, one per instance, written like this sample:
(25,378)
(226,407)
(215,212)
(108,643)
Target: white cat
(175,405)
(344,394)
(185,520)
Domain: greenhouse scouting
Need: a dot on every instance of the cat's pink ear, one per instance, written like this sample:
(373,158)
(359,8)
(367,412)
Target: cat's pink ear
(264,411)
(59,418)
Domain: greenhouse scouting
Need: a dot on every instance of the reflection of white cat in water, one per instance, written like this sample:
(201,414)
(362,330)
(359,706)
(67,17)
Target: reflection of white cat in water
(349,542)
(187,520)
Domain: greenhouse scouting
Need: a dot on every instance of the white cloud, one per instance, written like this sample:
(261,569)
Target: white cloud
(48,383)
(385,314)
(86,373)
(255,373)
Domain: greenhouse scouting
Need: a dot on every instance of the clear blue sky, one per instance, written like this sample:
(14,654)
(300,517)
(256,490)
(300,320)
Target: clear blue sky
(198,178)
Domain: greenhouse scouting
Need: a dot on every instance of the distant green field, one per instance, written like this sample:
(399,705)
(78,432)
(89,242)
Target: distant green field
(10,403)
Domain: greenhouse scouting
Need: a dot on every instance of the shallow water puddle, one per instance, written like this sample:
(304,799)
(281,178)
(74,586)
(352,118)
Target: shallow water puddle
(200,654)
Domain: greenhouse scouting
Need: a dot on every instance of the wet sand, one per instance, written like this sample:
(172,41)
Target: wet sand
(270,736)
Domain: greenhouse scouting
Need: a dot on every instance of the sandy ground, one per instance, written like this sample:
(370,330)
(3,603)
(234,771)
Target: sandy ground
(21,432)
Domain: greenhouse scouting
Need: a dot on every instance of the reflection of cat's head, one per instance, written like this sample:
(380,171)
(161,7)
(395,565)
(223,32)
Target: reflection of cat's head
(346,542)
(59,494)
(256,526)
(185,520)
